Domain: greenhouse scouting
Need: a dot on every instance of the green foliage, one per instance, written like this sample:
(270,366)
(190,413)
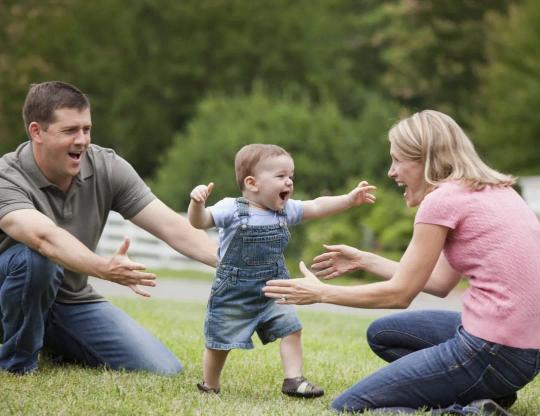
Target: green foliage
(385,227)
(432,49)
(507,126)
(113,60)
(327,147)
(329,150)
(390,222)
(146,66)
(180,83)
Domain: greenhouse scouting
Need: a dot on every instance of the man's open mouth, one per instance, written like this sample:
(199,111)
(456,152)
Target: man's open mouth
(75,155)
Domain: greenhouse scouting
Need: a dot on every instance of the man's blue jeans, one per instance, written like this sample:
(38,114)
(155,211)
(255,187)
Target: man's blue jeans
(434,363)
(93,334)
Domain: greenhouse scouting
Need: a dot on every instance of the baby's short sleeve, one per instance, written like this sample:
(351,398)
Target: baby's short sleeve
(223,212)
(295,211)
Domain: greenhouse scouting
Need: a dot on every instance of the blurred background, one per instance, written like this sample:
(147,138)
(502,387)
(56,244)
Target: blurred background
(177,87)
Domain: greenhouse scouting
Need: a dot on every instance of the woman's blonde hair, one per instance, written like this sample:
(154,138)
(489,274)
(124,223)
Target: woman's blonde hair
(447,153)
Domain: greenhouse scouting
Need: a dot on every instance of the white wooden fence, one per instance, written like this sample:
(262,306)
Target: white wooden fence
(144,247)
(154,253)
(530,189)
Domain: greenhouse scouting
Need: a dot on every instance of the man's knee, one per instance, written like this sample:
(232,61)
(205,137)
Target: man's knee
(162,363)
(40,273)
(171,368)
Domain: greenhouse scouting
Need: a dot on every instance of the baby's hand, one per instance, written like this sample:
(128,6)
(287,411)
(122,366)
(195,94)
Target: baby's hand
(201,192)
(361,194)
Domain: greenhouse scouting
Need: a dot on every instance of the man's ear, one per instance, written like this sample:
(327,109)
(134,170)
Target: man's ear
(250,184)
(34,131)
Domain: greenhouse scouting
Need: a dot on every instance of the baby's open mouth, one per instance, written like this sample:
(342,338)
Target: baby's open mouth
(284,195)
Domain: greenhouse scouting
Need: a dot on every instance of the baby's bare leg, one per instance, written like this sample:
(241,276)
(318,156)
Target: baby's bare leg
(213,362)
(291,355)
(295,384)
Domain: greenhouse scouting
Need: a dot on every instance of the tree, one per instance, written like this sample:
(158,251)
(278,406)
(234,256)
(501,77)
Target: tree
(328,148)
(19,65)
(331,152)
(385,228)
(146,66)
(432,49)
(506,126)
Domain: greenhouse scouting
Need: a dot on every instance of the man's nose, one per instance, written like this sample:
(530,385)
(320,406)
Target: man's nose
(82,136)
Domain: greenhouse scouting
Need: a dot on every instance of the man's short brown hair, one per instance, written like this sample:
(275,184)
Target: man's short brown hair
(250,155)
(44,99)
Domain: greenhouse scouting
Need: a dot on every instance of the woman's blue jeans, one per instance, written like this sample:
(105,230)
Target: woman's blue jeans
(435,363)
(93,334)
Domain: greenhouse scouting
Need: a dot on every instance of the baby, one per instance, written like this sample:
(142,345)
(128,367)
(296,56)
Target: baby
(253,235)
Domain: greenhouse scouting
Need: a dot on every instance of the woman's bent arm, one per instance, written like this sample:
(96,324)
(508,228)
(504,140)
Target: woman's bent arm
(410,277)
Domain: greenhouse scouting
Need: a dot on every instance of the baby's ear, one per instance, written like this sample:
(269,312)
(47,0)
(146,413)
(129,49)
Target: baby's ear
(250,184)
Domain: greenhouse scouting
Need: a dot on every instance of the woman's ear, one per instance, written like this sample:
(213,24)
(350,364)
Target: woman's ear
(250,184)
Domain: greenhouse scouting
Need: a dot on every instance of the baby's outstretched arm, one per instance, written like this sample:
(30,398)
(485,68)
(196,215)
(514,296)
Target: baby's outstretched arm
(329,205)
(199,216)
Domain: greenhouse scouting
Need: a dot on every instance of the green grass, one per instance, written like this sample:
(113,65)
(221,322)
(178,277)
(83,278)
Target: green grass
(183,274)
(208,276)
(336,356)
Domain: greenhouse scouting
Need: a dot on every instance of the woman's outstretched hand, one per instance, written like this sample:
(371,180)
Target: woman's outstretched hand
(338,260)
(303,291)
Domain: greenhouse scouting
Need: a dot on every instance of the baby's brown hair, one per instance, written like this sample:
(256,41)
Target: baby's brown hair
(250,155)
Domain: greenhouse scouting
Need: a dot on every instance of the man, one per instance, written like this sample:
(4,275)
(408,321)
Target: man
(56,191)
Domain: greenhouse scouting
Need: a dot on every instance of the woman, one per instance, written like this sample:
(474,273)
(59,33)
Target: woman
(470,223)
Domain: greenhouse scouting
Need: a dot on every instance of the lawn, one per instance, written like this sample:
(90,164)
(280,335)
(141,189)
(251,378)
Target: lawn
(336,355)
(208,276)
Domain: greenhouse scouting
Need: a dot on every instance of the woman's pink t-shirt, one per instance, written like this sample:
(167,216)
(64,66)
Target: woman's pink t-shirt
(494,240)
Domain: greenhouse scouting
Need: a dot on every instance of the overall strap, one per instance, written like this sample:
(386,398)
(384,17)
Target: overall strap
(282,215)
(242,205)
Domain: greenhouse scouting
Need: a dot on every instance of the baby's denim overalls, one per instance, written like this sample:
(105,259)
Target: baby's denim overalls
(237,306)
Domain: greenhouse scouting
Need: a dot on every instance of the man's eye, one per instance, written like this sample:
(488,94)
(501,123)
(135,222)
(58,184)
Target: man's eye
(86,130)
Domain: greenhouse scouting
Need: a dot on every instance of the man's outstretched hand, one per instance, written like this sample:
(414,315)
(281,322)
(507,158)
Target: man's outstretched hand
(120,269)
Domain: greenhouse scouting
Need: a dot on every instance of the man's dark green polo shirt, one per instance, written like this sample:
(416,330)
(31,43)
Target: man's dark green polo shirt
(105,182)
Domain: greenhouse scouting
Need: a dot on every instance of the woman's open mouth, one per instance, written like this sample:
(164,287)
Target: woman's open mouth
(402,185)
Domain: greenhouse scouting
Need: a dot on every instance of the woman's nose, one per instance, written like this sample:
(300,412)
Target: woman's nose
(392,171)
